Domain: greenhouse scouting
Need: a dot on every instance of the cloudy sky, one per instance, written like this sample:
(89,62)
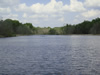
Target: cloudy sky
(53,13)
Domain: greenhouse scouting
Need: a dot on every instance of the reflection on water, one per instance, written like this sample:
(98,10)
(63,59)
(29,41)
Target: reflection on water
(50,55)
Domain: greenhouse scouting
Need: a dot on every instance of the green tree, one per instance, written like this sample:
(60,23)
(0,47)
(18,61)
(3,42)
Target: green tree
(52,31)
(24,30)
(6,28)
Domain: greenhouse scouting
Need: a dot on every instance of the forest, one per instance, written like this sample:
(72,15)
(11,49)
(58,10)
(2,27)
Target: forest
(11,27)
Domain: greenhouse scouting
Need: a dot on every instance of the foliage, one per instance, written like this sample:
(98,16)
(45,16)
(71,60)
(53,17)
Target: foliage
(10,27)
(52,31)
(86,27)
(42,31)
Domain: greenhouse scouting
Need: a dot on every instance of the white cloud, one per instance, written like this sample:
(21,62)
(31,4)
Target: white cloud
(5,10)
(76,6)
(8,3)
(35,16)
(39,16)
(11,16)
(92,3)
(23,8)
(52,7)
(91,13)
(61,19)
(24,15)
(76,20)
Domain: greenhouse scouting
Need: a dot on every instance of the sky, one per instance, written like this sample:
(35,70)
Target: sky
(50,13)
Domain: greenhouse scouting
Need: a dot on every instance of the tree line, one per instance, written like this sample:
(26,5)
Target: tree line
(86,27)
(11,27)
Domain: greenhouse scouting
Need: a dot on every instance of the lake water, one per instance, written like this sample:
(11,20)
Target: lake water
(50,55)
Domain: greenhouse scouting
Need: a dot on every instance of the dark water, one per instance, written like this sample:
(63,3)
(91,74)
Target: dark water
(50,55)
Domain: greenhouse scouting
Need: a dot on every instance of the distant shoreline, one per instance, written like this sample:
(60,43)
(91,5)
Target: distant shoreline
(51,35)
(12,28)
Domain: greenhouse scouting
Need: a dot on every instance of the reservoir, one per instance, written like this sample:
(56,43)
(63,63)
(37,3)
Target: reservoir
(50,55)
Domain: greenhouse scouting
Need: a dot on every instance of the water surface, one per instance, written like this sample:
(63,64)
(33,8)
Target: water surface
(50,55)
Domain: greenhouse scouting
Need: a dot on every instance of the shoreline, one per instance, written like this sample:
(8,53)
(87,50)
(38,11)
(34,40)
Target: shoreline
(47,34)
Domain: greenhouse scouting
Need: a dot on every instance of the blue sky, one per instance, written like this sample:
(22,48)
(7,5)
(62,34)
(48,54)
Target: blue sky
(53,13)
